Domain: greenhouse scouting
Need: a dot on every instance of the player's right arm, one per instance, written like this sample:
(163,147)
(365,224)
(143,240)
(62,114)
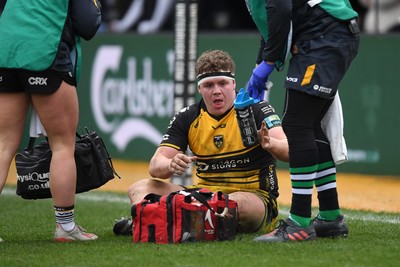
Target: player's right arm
(170,158)
(167,161)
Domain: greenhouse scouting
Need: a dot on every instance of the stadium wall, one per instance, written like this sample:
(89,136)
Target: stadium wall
(126,94)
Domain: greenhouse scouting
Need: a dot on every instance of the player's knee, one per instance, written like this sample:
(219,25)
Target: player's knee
(251,211)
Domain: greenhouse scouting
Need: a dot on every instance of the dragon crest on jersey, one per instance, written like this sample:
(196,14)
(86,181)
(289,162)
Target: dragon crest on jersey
(219,141)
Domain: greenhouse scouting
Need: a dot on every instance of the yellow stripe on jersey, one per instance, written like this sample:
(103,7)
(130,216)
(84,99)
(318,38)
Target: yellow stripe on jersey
(308,76)
(170,145)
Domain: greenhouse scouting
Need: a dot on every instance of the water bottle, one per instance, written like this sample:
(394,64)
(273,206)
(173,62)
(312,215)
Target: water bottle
(245,117)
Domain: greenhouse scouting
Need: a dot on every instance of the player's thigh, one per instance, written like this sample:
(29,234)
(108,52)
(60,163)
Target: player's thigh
(59,112)
(14,107)
(14,104)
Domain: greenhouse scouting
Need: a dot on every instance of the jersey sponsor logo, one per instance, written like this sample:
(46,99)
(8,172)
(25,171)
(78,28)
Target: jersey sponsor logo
(292,79)
(268,109)
(322,89)
(272,121)
(222,164)
(37,81)
(219,141)
(171,122)
(271,176)
(202,166)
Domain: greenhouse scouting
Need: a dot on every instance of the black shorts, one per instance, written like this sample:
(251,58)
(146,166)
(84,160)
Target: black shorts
(34,82)
(321,63)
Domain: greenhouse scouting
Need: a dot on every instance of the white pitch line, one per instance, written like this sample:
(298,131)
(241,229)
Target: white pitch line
(93,196)
(105,197)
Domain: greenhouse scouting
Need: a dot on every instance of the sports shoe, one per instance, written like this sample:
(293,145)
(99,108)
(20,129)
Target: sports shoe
(77,234)
(335,228)
(123,226)
(1,240)
(288,231)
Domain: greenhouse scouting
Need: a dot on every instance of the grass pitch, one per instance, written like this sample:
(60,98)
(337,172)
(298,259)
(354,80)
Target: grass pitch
(27,227)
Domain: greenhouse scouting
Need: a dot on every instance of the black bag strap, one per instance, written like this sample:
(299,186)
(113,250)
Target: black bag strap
(31,142)
(152,198)
(202,199)
(109,157)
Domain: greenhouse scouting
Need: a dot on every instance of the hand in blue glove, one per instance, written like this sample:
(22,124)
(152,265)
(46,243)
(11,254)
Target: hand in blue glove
(256,86)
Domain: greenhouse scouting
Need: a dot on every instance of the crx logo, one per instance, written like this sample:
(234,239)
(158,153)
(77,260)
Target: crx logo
(37,81)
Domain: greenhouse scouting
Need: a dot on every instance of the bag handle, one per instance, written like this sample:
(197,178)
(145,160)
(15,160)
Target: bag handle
(152,198)
(202,199)
(93,135)
(31,142)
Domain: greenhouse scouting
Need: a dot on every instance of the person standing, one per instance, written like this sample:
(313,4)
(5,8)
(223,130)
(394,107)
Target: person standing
(39,58)
(323,42)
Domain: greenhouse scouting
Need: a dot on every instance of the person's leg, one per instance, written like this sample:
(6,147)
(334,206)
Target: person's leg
(14,107)
(138,190)
(302,113)
(251,211)
(329,221)
(59,114)
(325,181)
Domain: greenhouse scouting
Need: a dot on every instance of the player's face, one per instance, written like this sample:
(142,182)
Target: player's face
(218,94)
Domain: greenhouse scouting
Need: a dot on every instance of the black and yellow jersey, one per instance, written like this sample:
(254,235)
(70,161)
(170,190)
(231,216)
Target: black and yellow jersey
(223,160)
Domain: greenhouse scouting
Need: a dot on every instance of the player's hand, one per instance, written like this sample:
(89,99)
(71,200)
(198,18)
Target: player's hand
(256,85)
(263,136)
(180,163)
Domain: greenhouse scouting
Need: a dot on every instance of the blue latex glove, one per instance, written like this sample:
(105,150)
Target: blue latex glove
(256,86)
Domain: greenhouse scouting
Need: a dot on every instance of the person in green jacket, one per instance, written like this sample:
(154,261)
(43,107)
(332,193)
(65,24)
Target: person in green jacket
(39,66)
(323,38)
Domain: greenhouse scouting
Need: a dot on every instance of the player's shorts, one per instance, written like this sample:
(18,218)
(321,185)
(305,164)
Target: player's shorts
(270,204)
(320,63)
(34,82)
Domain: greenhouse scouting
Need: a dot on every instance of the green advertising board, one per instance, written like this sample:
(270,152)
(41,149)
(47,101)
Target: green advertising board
(126,94)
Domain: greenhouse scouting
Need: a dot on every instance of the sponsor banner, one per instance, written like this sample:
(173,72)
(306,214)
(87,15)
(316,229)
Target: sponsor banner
(126,92)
